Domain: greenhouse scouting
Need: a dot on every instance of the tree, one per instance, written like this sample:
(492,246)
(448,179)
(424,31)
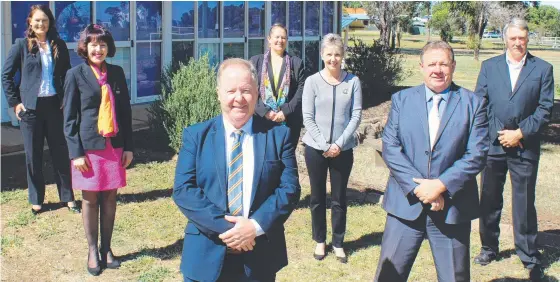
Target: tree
(384,15)
(544,19)
(445,20)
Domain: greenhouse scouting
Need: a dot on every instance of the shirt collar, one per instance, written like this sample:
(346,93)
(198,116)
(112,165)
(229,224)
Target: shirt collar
(247,127)
(512,64)
(444,94)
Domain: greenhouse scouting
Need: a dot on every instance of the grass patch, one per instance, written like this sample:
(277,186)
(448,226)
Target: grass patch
(22,218)
(10,241)
(155,274)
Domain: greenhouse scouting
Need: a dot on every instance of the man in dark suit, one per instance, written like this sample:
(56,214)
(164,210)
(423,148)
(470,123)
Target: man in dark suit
(519,88)
(237,183)
(435,143)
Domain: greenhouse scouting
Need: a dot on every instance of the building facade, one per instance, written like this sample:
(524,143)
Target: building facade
(151,35)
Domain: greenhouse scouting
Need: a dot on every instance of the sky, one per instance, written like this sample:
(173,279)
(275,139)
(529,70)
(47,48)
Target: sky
(551,3)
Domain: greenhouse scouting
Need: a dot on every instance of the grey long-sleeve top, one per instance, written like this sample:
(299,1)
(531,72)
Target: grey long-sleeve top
(331,113)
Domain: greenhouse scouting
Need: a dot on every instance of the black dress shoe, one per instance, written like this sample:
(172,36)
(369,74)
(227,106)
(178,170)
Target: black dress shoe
(95,271)
(75,209)
(319,257)
(536,274)
(112,265)
(35,212)
(342,259)
(485,258)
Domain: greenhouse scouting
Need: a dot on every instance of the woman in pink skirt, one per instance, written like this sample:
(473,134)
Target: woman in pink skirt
(98,129)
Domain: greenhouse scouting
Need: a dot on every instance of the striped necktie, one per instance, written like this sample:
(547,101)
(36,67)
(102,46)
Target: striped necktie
(235,175)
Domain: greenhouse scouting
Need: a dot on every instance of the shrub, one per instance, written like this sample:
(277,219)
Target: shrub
(188,97)
(378,68)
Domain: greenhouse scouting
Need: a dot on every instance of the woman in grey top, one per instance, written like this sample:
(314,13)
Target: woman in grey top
(332,109)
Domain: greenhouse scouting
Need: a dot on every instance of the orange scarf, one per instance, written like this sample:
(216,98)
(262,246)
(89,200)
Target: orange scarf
(107,120)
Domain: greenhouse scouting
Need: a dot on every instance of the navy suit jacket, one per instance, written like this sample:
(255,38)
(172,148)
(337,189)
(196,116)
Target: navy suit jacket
(200,193)
(29,64)
(527,107)
(458,155)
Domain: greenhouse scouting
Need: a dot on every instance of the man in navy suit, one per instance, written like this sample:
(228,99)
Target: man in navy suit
(435,143)
(237,183)
(519,88)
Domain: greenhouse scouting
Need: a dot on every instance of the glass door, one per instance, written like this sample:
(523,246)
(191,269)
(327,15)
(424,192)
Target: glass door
(234,31)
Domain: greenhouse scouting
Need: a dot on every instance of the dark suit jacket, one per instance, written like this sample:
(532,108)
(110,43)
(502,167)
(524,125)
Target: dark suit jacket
(81,110)
(458,155)
(30,66)
(200,193)
(292,107)
(528,107)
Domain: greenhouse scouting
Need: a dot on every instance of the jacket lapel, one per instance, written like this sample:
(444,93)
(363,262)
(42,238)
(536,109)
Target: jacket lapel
(504,72)
(217,137)
(420,99)
(259,149)
(525,71)
(454,98)
(53,60)
(282,71)
(90,78)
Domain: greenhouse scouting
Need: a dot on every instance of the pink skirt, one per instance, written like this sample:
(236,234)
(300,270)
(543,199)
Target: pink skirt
(105,172)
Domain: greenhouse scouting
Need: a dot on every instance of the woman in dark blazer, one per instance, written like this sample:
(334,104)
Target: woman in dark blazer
(98,128)
(281,78)
(42,60)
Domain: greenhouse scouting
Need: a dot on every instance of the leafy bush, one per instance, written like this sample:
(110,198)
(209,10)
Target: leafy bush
(378,68)
(188,97)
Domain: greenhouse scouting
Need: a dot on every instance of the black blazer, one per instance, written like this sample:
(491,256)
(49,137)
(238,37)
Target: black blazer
(292,107)
(30,66)
(81,110)
(527,107)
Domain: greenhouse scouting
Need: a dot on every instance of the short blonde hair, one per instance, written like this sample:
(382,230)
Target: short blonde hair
(332,40)
(237,62)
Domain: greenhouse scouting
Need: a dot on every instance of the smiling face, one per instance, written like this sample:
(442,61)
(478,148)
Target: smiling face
(332,57)
(277,40)
(237,93)
(437,69)
(97,52)
(39,23)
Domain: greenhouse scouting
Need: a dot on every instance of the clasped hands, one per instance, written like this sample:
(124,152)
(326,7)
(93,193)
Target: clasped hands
(332,152)
(275,116)
(429,191)
(510,138)
(240,238)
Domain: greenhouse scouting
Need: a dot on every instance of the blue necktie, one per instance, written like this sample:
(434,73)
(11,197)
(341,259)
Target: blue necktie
(235,175)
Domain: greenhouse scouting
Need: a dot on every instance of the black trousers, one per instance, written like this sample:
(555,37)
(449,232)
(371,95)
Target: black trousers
(46,121)
(234,271)
(402,239)
(339,169)
(523,175)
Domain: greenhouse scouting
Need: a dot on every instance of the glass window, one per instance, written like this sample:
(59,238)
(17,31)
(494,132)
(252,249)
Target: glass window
(312,56)
(208,19)
(256,47)
(71,18)
(328,17)
(234,19)
(312,18)
(294,48)
(148,68)
(182,22)
(181,52)
(148,20)
(256,18)
(75,59)
(20,11)
(278,12)
(115,16)
(122,58)
(296,16)
(213,51)
(234,50)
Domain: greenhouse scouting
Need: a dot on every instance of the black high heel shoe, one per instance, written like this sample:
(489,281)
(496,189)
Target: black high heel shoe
(112,265)
(95,271)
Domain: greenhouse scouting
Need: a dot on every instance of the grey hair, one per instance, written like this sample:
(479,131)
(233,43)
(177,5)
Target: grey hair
(516,22)
(237,62)
(438,44)
(332,40)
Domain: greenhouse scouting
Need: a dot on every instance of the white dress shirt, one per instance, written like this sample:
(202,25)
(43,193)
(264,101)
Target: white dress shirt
(514,69)
(47,87)
(248,164)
